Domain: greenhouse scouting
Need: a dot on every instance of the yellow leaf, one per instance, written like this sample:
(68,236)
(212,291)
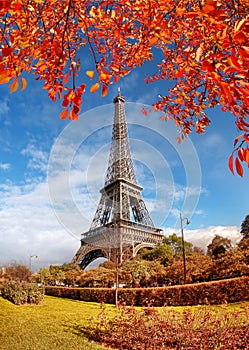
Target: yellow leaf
(14,85)
(94,87)
(90,73)
(23,83)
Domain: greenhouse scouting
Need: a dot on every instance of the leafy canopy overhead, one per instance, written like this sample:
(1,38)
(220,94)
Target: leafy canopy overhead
(204,47)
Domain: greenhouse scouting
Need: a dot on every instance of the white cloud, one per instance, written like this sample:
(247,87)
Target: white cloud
(4,108)
(4,166)
(29,226)
(38,158)
(203,236)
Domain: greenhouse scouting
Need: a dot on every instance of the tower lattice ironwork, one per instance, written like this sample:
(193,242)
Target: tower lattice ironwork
(122,224)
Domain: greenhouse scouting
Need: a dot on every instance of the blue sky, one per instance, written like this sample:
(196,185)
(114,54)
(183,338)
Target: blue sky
(51,171)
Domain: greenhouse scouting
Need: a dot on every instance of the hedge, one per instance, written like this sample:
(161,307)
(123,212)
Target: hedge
(216,292)
(22,293)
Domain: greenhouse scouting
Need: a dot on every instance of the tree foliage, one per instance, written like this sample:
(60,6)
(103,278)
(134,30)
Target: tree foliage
(198,269)
(175,242)
(218,246)
(231,264)
(245,227)
(202,48)
(17,273)
(162,253)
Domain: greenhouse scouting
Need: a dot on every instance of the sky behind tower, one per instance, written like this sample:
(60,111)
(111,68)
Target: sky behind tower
(51,171)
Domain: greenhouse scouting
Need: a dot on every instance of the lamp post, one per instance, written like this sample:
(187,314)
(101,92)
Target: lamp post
(30,261)
(183,247)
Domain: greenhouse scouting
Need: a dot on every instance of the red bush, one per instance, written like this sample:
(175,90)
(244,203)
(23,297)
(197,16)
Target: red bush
(216,292)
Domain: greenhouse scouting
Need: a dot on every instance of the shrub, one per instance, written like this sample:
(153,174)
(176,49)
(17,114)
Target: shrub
(156,330)
(216,292)
(98,295)
(22,293)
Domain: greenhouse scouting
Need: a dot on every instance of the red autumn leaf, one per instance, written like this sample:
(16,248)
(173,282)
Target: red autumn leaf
(207,66)
(68,98)
(14,85)
(64,114)
(239,167)
(241,154)
(76,109)
(104,91)
(73,115)
(246,137)
(230,164)
(233,62)
(240,38)
(94,87)
(17,6)
(247,156)
(179,73)
(6,51)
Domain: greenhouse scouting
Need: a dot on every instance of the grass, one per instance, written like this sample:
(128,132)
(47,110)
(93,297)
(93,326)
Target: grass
(49,326)
(56,324)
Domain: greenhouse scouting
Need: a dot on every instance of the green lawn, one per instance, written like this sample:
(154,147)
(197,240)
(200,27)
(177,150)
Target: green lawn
(55,324)
(52,325)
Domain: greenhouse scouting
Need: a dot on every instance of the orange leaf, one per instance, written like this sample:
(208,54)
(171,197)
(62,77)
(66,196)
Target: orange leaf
(116,78)
(64,114)
(90,73)
(14,85)
(239,167)
(4,78)
(105,76)
(23,83)
(65,80)
(94,87)
(104,90)
(153,40)
(226,92)
(230,164)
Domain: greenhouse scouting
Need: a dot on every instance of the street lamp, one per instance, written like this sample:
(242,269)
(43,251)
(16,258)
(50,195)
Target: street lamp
(30,262)
(183,247)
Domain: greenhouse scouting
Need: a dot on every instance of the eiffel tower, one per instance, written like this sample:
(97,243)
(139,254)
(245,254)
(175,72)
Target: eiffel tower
(122,224)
